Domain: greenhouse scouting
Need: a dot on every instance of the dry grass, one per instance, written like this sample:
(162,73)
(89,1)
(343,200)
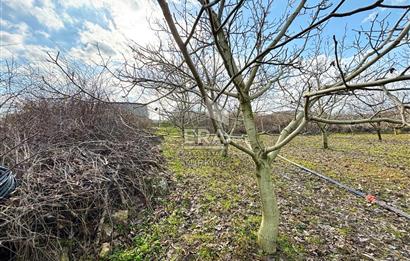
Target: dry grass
(213,211)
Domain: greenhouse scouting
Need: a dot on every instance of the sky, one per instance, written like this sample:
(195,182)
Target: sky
(28,28)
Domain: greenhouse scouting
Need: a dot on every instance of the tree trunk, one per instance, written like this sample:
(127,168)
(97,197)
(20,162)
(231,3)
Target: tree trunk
(379,135)
(323,131)
(268,231)
(197,135)
(225,150)
(325,143)
(351,130)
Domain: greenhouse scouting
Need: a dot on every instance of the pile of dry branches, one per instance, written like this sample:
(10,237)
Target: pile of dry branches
(76,163)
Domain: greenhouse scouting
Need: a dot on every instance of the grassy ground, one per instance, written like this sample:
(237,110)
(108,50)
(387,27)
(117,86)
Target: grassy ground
(212,210)
(361,161)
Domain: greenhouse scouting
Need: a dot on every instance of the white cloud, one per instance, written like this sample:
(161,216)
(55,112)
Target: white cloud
(21,28)
(20,4)
(48,18)
(132,18)
(129,21)
(68,19)
(7,38)
(81,3)
(13,42)
(36,53)
(43,11)
(46,14)
(12,37)
(94,33)
(17,48)
(126,20)
(43,34)
(370,17)
(109,41)
(4,24)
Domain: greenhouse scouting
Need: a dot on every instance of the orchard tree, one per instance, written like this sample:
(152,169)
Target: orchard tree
(179,108)
(370,106)
(262,48)
(318,71)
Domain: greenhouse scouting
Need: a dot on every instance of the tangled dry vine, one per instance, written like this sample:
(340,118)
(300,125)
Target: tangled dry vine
(76,163)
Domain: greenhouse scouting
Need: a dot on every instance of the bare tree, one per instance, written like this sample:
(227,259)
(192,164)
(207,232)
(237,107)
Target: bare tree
(327,108)
(257,55)
(179,109)
(370,106)
(318,73)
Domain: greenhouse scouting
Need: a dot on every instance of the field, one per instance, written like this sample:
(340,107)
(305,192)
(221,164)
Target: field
(361,161)
(212,210)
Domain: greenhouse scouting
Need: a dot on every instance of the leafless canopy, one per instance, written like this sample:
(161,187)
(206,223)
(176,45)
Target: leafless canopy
(246,51)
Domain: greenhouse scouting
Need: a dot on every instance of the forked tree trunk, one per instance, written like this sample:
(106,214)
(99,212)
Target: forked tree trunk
(323,131)
(268,230)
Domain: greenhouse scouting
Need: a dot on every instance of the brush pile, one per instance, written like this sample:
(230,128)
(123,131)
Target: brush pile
(76,162)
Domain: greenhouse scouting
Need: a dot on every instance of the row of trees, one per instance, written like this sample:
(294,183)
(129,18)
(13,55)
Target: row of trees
(186,118)
(242,58)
